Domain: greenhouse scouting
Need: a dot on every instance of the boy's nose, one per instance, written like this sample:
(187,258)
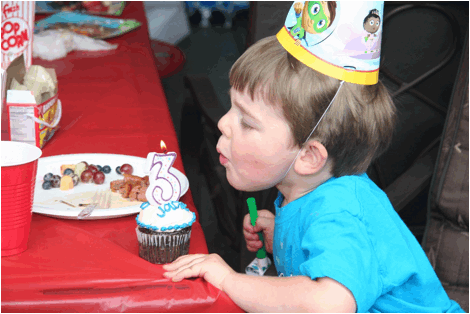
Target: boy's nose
(223,125)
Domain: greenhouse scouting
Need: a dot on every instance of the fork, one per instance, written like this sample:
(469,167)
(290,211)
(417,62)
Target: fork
(101,199)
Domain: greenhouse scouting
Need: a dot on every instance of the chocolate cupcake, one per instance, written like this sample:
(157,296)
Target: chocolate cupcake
(164,231)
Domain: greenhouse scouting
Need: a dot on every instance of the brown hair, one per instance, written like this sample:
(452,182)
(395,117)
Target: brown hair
(359,124)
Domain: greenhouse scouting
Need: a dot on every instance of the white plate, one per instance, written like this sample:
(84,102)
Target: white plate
(47,201)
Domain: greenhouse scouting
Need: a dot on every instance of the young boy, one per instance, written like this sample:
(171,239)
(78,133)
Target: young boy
(337,242)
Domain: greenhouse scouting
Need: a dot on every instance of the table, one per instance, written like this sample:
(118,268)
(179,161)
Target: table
(113,102)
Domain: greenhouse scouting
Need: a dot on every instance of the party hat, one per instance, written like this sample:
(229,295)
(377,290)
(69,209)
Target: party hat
(340,39)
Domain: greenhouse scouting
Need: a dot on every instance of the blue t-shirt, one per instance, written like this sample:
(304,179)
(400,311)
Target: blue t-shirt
(347,230)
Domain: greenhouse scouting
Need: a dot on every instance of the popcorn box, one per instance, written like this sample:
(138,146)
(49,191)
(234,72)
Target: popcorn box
(31,109)
(17,36)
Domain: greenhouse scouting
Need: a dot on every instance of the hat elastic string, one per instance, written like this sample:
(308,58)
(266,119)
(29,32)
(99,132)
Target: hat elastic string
(313,130)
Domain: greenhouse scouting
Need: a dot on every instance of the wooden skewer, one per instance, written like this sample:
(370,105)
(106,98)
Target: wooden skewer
(67,203)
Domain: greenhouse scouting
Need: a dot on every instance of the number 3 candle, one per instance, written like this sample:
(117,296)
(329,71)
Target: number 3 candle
(164,186)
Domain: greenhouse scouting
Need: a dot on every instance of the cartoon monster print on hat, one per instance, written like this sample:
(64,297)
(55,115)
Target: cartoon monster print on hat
(341,39)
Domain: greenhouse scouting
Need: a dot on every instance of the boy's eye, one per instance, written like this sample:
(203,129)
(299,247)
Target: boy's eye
(246,125)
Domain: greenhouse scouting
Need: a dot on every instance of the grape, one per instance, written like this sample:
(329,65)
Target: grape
(106,169)
(98,177)
(75,179)
(47,185)
(55,182)
(48,177)
(126,168)
(92,168)
(87,176)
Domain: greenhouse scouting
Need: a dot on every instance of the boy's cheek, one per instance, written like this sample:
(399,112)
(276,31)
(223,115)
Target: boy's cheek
(240,180)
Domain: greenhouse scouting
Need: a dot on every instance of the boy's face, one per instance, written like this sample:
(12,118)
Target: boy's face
(256,143)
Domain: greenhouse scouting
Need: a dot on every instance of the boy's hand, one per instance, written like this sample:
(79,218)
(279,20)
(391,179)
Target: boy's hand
(264,223)
(211,267)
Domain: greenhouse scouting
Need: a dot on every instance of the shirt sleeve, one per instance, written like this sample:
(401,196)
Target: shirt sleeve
(337,246)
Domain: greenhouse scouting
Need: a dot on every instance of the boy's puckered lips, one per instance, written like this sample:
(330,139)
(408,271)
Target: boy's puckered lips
(223,160)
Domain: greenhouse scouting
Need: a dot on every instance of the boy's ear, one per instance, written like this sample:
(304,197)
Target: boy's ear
(312,158)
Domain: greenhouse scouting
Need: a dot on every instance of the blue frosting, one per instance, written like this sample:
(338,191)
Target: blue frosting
(173,205)
(145,205)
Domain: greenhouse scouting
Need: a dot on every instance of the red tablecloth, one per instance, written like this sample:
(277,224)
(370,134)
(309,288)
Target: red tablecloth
(113,102)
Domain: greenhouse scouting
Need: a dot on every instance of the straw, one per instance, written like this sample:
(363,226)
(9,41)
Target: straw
(253,216)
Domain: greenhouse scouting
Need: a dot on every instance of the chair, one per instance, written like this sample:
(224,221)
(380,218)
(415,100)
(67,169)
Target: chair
(404,171)
(446,236)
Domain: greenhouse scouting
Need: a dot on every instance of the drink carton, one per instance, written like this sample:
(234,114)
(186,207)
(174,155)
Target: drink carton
(31,108)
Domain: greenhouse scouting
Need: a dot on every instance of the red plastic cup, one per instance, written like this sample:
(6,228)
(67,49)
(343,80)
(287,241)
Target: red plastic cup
(16,225)
(18,188)
(16,211)
(15,239)
(15,221)
(19,167)
(13,224)
(15,236)
(15,207)
(17,195)
(26,185)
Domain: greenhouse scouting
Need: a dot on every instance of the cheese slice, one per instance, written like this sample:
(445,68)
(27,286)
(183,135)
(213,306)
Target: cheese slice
(66,183)
(63,167)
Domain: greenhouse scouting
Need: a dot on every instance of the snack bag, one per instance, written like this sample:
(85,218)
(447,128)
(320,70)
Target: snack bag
(33,106)
(30,106)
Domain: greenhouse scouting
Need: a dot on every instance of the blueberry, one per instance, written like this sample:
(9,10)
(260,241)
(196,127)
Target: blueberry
(68,172)
(99,168)
(106,169)
(47,185)
(118,169)
(48,177)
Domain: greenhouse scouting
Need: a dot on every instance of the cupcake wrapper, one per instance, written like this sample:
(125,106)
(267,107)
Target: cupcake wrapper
(163,247)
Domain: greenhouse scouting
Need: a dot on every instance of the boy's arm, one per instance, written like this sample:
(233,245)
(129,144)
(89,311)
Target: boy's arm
(288,294)
(263,293)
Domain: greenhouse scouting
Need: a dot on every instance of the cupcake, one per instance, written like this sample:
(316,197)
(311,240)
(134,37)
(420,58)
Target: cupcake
(164,231)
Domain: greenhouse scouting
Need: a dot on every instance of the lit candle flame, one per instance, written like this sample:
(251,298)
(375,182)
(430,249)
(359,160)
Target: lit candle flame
(163,146)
